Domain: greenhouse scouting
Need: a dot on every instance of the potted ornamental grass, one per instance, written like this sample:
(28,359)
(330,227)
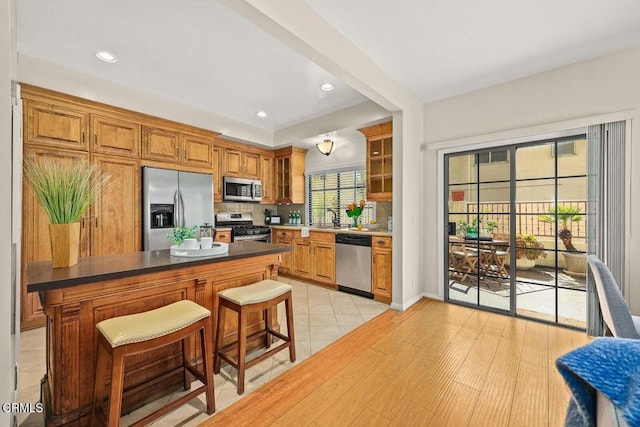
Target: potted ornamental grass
(65,190)
(565,216)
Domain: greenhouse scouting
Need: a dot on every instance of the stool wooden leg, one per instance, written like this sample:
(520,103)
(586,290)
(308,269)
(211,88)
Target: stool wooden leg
(100,383)
(268,314)
(186,351)
(242,347)
(117,383)
(288,303)
(219,338)
(206,343)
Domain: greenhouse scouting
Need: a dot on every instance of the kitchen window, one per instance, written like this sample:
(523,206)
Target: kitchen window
(335,190)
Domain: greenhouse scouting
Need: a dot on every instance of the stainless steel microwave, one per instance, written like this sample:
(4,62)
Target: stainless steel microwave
(241,189)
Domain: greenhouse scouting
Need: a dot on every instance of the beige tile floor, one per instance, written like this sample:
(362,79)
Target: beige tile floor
(320,315)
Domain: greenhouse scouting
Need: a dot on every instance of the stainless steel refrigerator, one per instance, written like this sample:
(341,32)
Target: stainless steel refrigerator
(173,199)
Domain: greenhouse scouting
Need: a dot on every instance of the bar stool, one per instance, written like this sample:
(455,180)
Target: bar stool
(261,296)
(137,333)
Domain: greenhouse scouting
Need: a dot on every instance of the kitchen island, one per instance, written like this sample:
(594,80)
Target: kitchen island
(74,299)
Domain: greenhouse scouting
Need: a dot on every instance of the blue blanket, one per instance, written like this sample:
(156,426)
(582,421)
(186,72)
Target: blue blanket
(608,365)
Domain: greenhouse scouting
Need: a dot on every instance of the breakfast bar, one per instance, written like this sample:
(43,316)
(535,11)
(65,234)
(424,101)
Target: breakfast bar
(74,299)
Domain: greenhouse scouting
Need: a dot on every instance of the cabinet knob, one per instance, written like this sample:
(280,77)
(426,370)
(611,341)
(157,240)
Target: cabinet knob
(381,242)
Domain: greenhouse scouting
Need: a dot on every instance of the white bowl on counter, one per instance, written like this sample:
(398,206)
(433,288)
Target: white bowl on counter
(371,226)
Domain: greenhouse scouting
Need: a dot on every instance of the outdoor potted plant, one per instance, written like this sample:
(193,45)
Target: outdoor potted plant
(470,230)
(528,250)
(575,261)
(65,191)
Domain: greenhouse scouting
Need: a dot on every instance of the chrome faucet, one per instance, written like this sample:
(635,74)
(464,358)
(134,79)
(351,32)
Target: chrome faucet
(335,220)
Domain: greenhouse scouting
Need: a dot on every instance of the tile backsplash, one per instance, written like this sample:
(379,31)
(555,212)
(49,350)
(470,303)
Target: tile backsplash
(255,208)
(383,211)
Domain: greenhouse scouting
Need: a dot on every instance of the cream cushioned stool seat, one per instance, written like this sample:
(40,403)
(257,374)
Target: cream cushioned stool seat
(124,336)
(261,296)
(151,324)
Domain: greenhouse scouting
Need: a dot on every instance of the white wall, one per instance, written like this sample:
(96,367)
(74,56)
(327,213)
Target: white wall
(7,51)
(564,98)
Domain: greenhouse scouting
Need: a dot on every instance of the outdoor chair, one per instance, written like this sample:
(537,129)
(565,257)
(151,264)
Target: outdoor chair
(465,260)
(615,312)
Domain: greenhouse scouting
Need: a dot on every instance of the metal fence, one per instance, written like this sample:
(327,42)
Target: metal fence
(527,217)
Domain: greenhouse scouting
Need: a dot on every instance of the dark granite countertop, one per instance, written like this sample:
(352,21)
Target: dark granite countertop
(42,277)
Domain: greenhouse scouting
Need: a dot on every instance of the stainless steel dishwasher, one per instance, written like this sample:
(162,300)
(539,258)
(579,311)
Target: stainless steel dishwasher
(353,264)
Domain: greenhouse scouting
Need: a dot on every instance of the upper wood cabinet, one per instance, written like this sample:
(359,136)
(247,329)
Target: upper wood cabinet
(240,163)
(160,144)
(216,161)
(55,126)
(266,170)
(196,150)
(178,148)
(115,136)
(379,161)
(381,271)
(289,175)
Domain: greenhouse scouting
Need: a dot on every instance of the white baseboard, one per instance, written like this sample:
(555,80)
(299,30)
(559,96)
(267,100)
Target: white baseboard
(406,305)
(432,296)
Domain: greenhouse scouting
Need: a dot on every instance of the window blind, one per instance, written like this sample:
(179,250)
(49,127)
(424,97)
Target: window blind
(335,191)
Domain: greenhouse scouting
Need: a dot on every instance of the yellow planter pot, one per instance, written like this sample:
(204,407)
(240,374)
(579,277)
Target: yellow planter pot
(65,244)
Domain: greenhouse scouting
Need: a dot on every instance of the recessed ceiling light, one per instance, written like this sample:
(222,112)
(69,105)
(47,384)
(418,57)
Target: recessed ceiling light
(106,56)
(261,114)
(327,87)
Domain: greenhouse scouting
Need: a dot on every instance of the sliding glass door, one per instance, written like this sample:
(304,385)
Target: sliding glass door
(516,230)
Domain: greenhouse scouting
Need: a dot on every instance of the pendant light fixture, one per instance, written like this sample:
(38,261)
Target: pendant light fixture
(325,147)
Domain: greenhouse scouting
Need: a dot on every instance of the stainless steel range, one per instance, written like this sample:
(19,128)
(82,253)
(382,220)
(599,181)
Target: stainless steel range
(242,227)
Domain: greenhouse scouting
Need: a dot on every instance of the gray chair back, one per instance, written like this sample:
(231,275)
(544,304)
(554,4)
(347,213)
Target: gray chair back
(615,312)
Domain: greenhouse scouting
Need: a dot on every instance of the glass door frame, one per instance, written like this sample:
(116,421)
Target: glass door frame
(513,180)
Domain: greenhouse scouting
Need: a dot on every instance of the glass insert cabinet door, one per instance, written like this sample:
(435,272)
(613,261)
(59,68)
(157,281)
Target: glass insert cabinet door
(516,219)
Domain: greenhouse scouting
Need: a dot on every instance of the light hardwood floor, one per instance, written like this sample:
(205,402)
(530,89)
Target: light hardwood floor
(436,364)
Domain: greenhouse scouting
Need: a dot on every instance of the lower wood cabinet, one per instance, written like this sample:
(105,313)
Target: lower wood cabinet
(381,273)
(223,236)
(284,237)
(312,258)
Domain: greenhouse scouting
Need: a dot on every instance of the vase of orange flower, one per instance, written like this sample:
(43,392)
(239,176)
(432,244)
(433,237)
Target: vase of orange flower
(354,211)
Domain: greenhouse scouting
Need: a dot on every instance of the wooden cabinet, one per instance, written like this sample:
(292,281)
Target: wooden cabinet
(196,151)
(302,258)
(284,237)
(115,136)
(323,250)
(289,175)
(176,148)
(160,144)
(381,269)
(266,170)
(36,245)
(379,161)
(312,258)
(223,236)
(116,225)
(55,126)
(216,162)
(240,163)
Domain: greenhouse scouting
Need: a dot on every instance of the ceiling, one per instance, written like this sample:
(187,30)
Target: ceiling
(207,56)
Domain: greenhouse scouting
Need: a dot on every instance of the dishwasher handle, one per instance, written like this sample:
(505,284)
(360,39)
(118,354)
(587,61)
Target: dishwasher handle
(353,239)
